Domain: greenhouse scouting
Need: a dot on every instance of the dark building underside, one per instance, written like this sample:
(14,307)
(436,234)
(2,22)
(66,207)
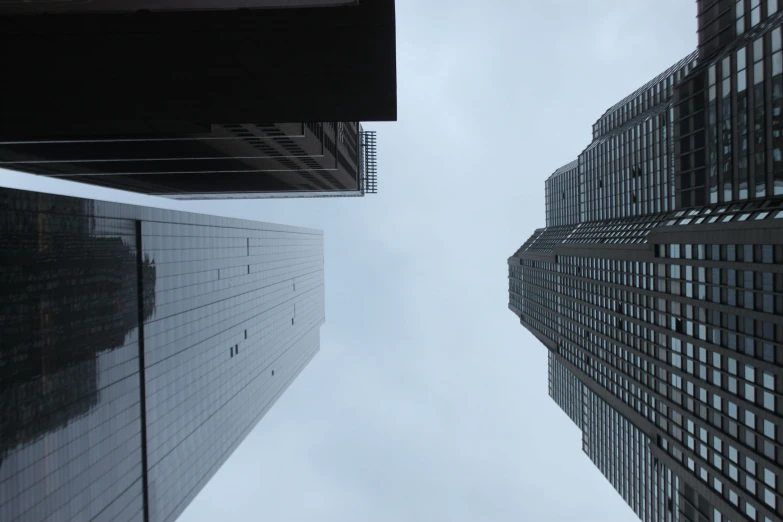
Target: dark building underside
(163,73)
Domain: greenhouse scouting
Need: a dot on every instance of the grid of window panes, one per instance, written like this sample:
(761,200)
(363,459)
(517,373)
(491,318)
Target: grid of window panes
(749,13)
(516,284)
(644,367)
(562,196)
(744,120)
(70,401)
(717,281)
(620,451)
(544,239)
(231,312)
(237,315)
(537,299)
(690,336)
(625,230)
(636,229)
(754,210)
(598,334)
(628,170)
(565,389)
(688,343)
(657,91)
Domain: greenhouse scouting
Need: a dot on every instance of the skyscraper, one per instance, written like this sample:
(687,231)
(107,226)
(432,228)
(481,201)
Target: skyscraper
(200,99)
(139,348)
(657,284)
(257,160)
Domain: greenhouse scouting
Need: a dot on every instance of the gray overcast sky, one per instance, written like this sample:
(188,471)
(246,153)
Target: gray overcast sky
(428,400)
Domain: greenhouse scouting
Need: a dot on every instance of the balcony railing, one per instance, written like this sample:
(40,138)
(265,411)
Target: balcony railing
(368,161)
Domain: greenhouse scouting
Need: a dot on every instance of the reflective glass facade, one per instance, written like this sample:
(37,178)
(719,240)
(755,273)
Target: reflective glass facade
(729,113)
(140,346)
(663,314)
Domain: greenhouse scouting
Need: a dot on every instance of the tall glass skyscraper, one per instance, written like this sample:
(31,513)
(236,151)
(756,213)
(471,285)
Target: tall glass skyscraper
(139,347)
(657,284)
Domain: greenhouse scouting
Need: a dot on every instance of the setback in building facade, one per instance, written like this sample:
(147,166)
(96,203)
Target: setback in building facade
(657,284)
(140,347)
(258,160)
(200,99)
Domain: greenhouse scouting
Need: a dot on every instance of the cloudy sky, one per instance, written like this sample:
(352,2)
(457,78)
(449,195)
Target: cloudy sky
(428,400)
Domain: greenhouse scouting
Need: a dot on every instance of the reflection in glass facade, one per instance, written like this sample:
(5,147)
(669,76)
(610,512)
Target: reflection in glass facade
(728,113)
(663,313)
(139,347)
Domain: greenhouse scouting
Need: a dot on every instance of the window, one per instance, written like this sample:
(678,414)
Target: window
(758,58)
(769,429)
(750,465)
(732,410)
(750,392)
(755,12)
(769,401)
(770,479)
(769,498)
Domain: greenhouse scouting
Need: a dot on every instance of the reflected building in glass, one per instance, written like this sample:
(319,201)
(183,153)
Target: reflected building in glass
(657,284)
(139,347)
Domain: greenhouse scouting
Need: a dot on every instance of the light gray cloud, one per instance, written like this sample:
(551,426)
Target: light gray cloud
(428,401)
